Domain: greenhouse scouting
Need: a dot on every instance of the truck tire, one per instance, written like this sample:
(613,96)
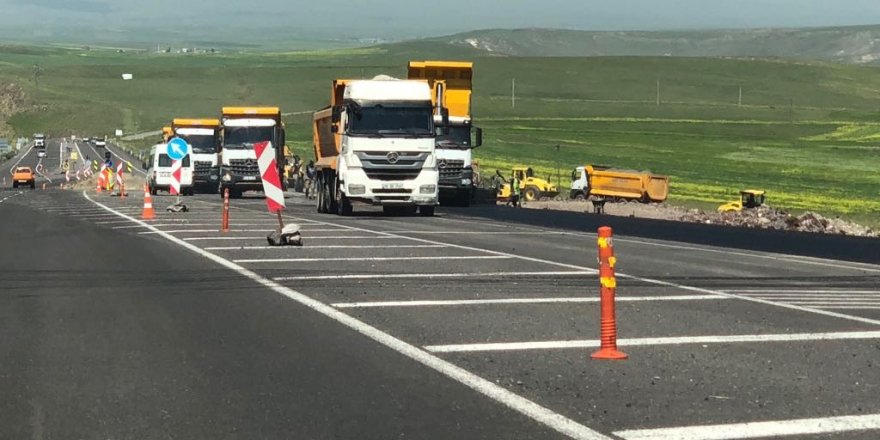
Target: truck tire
(426,211)
(343,205)
(33,185)
(580,196)
(14,185)
(531,193)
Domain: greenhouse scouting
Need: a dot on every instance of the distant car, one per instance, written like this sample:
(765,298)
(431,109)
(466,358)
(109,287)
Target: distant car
(41,153)
(100,143)
(23,176)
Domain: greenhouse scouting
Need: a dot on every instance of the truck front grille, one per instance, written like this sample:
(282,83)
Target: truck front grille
(244,167)
(201,168)
(450,168)
(392,165)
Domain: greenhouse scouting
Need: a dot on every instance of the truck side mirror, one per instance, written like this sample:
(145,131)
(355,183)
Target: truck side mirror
(336,114)
(478,135)
(334,128)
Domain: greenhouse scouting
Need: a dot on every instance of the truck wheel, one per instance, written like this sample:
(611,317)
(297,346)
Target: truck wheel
(580,197)
(343,205)
(14,185)
(531,194)
(33,185)
(426,211)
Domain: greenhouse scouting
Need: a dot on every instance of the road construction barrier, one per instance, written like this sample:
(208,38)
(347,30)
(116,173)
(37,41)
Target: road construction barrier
(44,186)
(607,286)
(148,213)
(224,222)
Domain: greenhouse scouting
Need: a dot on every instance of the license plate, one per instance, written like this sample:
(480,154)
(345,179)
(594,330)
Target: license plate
(22,181)
(249,178)
(392,186)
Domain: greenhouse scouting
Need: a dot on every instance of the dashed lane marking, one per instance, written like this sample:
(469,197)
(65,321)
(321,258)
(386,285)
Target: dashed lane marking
(502,301)
(640,342)
(312,260)
(778,428)
(431,275)
(352,237)
(267,229)
(305,248)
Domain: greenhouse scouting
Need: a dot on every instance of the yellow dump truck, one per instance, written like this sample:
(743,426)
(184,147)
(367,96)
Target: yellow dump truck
(605,182)
(451,84)
(167,133)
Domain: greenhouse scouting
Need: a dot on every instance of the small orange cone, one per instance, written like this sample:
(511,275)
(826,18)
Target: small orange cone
(224,222)
(148,214)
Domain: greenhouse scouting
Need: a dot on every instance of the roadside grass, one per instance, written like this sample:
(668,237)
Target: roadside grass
(808,133)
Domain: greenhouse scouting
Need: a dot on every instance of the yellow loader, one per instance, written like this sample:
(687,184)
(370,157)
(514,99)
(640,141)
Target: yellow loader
(749,199)
(532,188)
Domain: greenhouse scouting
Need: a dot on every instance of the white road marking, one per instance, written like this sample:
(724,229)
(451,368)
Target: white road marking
(306,238)
(640,342)
(801,291)
(850,307)
(487,388)
(268,225)
(305,248)
(9,197)
(477,232)
(778,428)
(312,260)
(431,275)
(269,228)
(12,169)
(481,302)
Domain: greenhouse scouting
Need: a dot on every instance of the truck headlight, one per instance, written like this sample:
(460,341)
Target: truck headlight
(427,189)
(465,181)
(357,190)
(227,177)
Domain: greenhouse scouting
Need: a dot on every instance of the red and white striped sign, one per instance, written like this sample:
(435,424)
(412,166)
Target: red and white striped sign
(77,174)
(67,176)
(119,169)
(176,171)
(269,173)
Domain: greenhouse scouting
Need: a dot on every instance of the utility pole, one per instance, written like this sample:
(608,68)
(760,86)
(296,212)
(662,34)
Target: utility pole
(740,104)
(558,175)
(658,93)
(513,93)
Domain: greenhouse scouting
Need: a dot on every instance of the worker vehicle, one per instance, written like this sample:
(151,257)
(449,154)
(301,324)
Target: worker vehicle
(100,143)
(749,199)
(532,188)
(451,83)
(608,183)
(374,144)
(203,136)
(243,127)
(41,154)
(39,140)
(23,176)
(159,173)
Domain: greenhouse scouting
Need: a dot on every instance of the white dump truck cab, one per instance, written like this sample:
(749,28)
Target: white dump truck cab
(376,145)
(203,136)
(244,127)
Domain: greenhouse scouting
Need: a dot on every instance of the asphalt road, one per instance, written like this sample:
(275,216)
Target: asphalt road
(456,326)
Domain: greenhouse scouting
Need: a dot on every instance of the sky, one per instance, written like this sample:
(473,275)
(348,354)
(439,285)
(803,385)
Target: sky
(415,18)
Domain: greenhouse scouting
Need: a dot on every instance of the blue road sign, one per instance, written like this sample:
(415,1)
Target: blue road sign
(177,148)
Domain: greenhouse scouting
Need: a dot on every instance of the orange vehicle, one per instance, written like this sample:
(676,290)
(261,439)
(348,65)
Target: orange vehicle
(23,176)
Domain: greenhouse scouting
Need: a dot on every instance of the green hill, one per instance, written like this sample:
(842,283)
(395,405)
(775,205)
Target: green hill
(858,44)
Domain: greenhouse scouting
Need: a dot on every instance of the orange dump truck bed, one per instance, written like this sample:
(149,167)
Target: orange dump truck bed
(626,184)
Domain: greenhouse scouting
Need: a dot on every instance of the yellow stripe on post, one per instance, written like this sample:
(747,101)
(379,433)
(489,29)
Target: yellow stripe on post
(608,282)
(603,242)
(612,261)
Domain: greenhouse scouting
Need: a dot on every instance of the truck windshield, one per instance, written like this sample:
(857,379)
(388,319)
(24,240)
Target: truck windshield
(459,137)
(201,143)
(244,138)
(387,119)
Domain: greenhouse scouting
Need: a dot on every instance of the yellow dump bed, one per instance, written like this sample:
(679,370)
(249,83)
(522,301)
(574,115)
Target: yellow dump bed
(457,77)
(624,184)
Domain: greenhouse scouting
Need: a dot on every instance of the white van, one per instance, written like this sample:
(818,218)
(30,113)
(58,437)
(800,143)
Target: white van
(159,174)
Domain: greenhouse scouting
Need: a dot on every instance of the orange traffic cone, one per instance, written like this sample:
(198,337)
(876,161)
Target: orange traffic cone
(148,214)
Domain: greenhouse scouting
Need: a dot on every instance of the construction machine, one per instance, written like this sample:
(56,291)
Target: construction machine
(615,184)
(749,199)
(532,188)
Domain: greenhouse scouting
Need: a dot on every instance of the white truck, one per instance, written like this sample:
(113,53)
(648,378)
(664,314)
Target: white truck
(243,127)
(203,136)
(375,145)
(452,83)
(39,140)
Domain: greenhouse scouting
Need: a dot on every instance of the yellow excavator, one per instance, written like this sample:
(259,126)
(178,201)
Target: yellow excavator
(749,199)
(532,188)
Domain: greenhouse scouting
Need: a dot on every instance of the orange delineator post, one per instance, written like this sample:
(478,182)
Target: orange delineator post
(608,284)
(148,213)
(224,223)
(99,179)
(122,190)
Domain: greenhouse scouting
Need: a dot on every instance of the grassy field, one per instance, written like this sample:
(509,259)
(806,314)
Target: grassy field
(807,133)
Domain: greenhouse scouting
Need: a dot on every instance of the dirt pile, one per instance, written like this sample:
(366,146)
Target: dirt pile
(764,217)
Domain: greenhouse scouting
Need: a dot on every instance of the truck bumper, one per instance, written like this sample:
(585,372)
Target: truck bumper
(421,191)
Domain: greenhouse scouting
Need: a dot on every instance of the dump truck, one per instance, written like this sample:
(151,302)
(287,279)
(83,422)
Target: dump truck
(606,182)
(386,127)
(203,136)
(39,140)
(167,133)
(242,128)
(451,85)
